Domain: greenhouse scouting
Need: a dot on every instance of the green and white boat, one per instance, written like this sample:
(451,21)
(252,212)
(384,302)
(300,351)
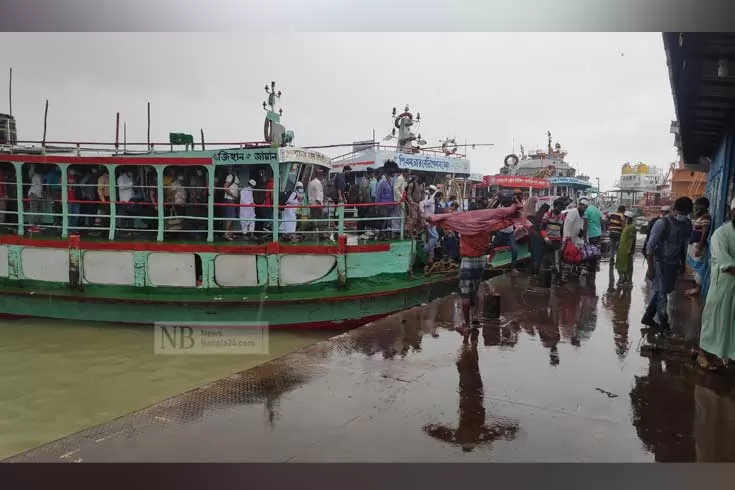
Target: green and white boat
(59,268)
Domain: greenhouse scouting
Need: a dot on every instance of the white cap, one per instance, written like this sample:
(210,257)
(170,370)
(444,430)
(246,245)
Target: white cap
(665,209)
(432,187)
(583,201)
(629,214)
(299,184)
(252,182)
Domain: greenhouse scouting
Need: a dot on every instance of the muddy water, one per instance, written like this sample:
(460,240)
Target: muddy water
(59,377)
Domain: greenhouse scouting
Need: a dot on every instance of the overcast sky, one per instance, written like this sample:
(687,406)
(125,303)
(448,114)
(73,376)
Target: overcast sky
(605,97)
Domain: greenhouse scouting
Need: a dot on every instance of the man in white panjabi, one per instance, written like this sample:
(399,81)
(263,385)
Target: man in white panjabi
(717,339)
(288,215)
(247,211)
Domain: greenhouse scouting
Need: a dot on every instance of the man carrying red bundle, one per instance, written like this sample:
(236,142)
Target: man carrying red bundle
(476,229)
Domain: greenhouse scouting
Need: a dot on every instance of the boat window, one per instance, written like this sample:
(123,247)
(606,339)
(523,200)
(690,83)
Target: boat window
(289,176)
(185,199)
(42,197)
(8,194)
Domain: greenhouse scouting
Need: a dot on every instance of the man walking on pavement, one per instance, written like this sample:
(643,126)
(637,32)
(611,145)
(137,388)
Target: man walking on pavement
(615,223)
(666,252)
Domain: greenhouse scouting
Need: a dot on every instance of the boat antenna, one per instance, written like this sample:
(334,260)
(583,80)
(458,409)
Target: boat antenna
(10,91)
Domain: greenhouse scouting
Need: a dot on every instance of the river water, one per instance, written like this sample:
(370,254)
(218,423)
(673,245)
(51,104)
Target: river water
(60,377)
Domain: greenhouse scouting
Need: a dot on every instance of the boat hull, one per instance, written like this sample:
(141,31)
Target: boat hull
(320,305)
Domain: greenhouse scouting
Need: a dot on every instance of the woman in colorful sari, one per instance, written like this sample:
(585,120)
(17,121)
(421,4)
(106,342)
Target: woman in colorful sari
(625,252)
(717,339)
(697,252)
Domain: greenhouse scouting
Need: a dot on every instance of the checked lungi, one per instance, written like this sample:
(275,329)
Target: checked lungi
(471,273)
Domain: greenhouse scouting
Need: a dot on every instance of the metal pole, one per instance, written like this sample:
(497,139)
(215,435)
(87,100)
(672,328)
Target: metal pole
(45,120)
(125,137)
(202,133)
(10,92)
(117,132)
(149,126)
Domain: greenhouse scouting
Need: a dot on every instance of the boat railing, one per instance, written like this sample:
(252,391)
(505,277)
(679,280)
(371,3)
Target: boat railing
(118,148)
(63,212)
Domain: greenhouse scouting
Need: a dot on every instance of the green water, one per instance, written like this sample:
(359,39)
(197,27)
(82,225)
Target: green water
(58,377)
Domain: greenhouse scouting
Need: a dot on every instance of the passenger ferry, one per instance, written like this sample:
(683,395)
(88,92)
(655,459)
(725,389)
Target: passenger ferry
(442,166)
(143,237)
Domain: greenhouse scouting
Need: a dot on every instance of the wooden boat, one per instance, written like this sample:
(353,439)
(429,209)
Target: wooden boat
(123,271)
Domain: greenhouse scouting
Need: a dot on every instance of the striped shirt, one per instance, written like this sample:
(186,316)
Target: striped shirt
(615,224)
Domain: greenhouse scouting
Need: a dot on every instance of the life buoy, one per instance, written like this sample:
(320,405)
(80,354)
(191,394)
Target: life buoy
(449,147)
(513,158)
(401,116)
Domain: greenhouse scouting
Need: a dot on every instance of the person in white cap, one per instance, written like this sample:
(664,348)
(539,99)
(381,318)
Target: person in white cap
(288,215)
(717,339)
(247,211)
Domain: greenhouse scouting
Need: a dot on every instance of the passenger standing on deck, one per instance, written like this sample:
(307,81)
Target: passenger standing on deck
(383,199)
(178,206)
(35,194)
(717,339)
(364,199)
(615,223)
(247,211)
(315,194)
(626,251)
(414,197)
(231,196)
(666,251)
(124,197)
(399,193)
(53,193)
(88,194)
(103,195)
(288,217)
(697,253)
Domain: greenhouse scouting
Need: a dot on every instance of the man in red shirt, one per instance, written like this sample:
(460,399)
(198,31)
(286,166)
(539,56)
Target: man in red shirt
(268,201)
(476,251)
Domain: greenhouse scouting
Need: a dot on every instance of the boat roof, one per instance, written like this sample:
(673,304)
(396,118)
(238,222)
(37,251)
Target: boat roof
(254,155)
(424,162)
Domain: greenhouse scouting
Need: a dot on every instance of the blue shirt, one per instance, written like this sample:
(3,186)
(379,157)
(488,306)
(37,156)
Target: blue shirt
(673,247)
(594,222)
(385,191)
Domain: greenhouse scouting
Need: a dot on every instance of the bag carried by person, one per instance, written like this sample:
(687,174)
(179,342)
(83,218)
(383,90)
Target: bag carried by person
(590,251)
(571,254)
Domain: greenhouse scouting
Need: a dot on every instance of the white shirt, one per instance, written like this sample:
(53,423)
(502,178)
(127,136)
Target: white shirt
(125,188)
(179,192)
(398,187)
(315,191)
(36,188)
(428,207)
(573,224)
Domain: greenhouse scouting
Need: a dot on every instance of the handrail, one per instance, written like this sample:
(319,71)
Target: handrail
(64,206)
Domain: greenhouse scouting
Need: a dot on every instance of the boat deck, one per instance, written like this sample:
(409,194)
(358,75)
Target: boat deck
(562,368)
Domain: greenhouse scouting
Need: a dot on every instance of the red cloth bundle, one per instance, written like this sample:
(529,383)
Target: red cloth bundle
(481,220)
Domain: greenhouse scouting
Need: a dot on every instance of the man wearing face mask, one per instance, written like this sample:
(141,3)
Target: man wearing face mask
(666,252)
(718,318)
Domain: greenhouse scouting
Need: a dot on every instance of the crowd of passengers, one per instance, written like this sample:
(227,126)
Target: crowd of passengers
(387,200)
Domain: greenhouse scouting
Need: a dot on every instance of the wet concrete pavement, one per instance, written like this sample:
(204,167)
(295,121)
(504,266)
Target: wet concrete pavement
(565,375)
